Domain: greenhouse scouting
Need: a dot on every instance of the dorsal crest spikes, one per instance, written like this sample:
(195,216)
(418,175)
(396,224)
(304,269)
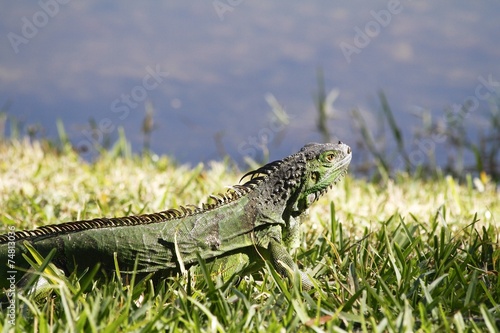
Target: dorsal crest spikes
(234,192)
(262,172)
(217,198)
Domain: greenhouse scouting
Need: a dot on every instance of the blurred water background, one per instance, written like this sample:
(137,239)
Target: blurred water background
(201,80)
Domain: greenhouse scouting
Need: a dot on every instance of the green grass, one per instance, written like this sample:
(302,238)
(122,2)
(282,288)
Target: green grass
(404,255)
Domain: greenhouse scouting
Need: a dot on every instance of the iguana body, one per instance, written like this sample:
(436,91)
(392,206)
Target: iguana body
(259,219)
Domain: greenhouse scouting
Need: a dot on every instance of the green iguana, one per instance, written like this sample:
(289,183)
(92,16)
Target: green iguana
(259,219)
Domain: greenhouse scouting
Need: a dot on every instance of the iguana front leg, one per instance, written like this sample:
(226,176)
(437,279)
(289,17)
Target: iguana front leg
(283,263)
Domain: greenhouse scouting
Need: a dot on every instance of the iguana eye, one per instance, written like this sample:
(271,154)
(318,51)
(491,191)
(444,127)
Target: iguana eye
(330,157)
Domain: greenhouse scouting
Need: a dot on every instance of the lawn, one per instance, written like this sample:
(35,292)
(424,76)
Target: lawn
(398,255)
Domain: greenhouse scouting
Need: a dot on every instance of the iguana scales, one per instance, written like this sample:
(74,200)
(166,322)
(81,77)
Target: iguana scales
(259,219)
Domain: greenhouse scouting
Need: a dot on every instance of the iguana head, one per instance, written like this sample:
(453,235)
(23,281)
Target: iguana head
(325,165)
(284,189)
(289,186)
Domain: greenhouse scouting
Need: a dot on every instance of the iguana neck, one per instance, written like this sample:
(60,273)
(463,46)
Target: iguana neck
(282,184)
